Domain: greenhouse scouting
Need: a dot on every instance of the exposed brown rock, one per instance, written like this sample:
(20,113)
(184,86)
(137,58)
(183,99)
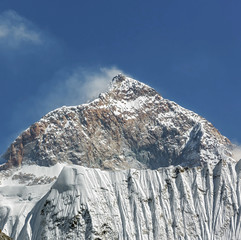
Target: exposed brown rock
(129,126)
(3,236)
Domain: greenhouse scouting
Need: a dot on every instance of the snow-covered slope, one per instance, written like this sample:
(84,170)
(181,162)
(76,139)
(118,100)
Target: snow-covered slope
(168,203)
(20,191)
(128,165)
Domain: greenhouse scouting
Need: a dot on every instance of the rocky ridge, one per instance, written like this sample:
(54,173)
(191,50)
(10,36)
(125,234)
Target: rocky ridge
(130,125)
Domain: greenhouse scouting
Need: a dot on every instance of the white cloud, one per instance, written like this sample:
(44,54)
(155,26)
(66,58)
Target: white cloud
(98,82)
(16,30)
(237,153)
(77,86)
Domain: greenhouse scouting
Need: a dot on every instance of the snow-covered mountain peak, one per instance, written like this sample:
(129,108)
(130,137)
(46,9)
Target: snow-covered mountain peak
(118,78)
(124,83)
(130,125)
(129,88)
(147,168)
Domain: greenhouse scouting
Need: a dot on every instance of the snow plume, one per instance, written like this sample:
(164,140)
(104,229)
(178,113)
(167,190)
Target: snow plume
(77,86)
(97,82)
(16,30)
(237,152)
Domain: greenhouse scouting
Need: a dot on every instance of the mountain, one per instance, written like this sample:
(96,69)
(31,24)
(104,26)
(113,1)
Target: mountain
(128,165)
(130,125)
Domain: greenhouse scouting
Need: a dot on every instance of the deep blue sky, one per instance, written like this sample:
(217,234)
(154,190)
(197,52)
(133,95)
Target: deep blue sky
(190,51)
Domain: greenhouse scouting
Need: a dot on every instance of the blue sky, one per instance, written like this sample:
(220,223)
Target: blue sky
(57,52)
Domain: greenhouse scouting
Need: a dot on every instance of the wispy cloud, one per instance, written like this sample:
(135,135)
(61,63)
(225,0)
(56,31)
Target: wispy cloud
(16,30)
(237,153)
(77,86)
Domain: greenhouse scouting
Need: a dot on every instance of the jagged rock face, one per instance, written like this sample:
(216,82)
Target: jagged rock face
(130,125)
